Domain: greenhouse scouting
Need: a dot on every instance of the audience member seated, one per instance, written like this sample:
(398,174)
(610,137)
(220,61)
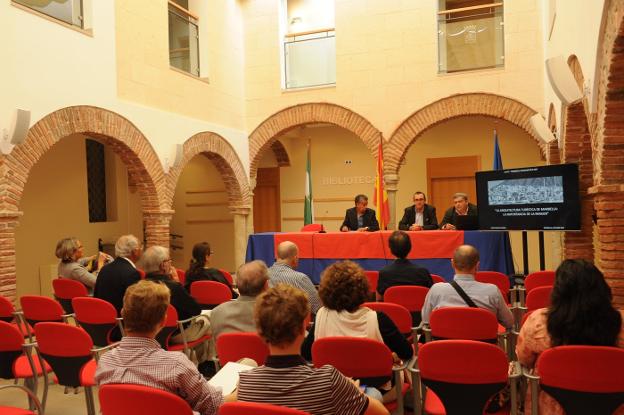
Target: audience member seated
(580,313)
(140,360)
(282,314)
(343,290)
(199,269)
(360,218)
(460,207)
(420,216)
(465,262)
(283,272)
(73,264)
(157,265)
(237,315)
(401,271)
(116,277)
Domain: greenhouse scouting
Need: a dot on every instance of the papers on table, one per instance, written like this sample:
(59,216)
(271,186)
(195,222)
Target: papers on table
(227,377)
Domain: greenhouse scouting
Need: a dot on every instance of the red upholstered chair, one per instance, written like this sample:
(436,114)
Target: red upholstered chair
(37,308)
(69,351)
(399,315)
(9,315)
(436,278)
(227,276)
(538,298)
(497,278)
(32,398)
(461,376)
(232,347)
(248,408)
(373,278)
(583,379)
(465,323)
(210,294)
(172,324)
(127,399)
(98,318)
(181,275)
(312,227)
(66,289)
(534,280)
(411,297)
(358,357)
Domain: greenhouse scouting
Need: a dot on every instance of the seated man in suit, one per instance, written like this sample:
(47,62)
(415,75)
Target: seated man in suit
(460,207)
(419,216)
(116,277)
(401,271)
(360,218)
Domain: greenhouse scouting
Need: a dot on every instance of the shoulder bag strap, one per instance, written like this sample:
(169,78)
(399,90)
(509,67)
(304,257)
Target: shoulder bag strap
(463,294)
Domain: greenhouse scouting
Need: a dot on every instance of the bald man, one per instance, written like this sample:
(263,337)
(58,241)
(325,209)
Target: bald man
(465,262)
(283,272)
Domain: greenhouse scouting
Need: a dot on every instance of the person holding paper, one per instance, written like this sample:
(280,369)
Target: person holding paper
(74,265)
(282,315)
(140,360)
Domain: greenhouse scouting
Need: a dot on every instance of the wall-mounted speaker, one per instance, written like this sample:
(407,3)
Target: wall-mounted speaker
(541,130)
(562,80)
(17,131)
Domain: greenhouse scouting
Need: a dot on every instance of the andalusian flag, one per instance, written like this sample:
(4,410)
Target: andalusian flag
(308,208)
(380,199)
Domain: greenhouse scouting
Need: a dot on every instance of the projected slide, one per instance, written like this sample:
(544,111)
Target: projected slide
(526,191)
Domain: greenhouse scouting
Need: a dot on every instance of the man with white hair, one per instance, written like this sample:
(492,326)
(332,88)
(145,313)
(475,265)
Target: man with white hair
(283,272)
(116,277)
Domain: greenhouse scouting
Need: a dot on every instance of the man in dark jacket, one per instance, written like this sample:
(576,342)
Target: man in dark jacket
(116,277)
(460,207)
(420,216)
(360,218)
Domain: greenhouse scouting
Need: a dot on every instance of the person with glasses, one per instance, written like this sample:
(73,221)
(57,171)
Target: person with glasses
(420,216)
(74,265)
(200,269)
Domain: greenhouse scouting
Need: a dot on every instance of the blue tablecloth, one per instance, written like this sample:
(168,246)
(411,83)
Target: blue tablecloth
(494,249)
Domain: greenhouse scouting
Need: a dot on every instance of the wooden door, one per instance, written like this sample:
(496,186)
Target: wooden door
(266,205)
(449,175)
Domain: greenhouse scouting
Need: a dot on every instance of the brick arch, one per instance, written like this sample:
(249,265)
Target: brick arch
(225,159)
(281,155)
(451,107)
(553,155)
(608,149)
(318,112)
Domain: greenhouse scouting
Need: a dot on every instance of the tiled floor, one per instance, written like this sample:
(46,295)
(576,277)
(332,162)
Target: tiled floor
(58,403)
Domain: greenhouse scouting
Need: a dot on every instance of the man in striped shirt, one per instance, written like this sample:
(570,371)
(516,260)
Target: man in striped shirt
(282,314)
(140,360)
(283,272)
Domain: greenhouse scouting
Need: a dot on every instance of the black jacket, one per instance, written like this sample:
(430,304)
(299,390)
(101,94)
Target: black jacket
(207,274)
(430,220)
(450,216)
(113,280)
(369,220)
(402,272)
(185,305)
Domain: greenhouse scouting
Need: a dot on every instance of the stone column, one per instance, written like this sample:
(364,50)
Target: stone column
(157,227)
(391,182)
(250,217)
(609,206)
(8,283)
(241,219)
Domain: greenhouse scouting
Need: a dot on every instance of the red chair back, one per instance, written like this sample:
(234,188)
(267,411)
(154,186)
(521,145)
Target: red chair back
(583,379)
(141,273)
(373,278)
(466,323)
(354,357)
(227,276)
(312,227)
(232,347)
(127,399)
(538,298)
(399,315)
(171,325)
(37,308)
(539,279)
(6,309)
(181,275)
(210,294)
(497,278)
(65,289)
(97,317)
(246,408)
(411,297)
(436,278)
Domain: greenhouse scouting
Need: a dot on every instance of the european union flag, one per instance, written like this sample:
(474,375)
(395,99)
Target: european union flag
(498,161)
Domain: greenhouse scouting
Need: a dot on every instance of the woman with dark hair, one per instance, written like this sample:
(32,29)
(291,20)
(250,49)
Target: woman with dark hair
(343,290)
(199,269)
(580,313)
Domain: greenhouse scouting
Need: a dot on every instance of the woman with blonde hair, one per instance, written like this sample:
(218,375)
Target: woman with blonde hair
(73,264)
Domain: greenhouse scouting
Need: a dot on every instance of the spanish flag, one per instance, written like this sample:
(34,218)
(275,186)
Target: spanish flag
(380,199)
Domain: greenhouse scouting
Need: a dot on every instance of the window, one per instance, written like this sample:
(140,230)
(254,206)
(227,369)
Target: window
(183,37)
(309,46)
(96,180)
(68,11)
(470,35)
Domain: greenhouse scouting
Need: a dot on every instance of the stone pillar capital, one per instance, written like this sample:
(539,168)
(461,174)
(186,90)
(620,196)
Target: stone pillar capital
(240,210)
(391,181)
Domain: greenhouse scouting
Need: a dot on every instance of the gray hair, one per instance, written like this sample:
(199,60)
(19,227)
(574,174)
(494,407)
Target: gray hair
(153,257)
(252,277)
(65,248)
(460,194)
(125,245)
(287,250)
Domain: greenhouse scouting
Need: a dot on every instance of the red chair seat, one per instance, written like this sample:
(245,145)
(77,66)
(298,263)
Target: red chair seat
(9,410)
(21,368)
(433,404)
(391,406)
(87,375)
